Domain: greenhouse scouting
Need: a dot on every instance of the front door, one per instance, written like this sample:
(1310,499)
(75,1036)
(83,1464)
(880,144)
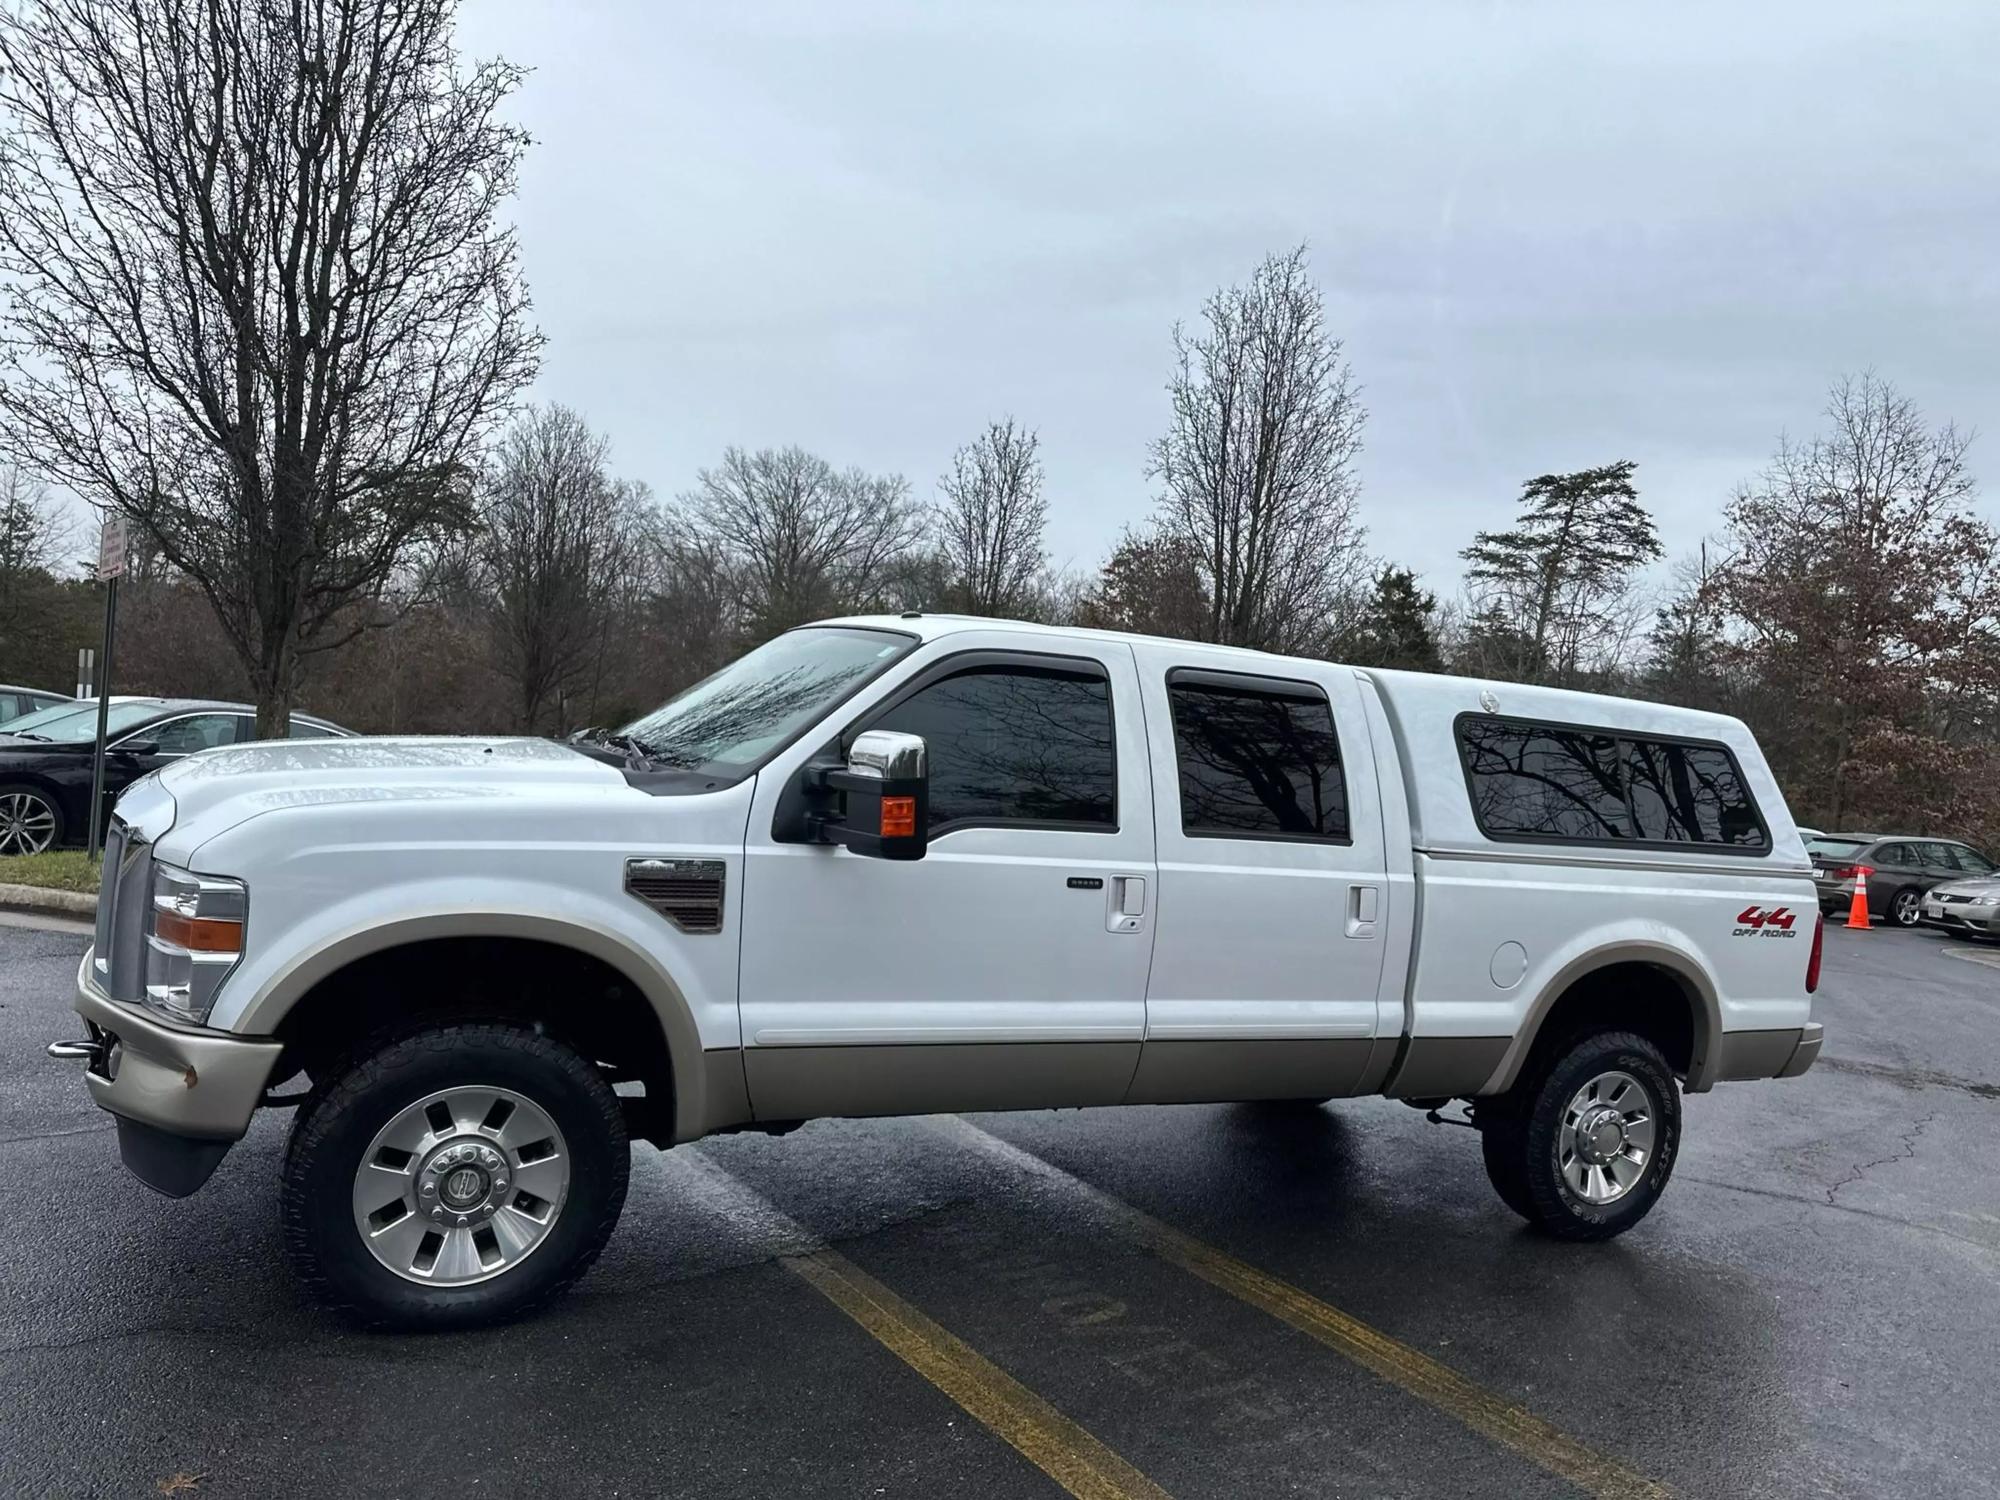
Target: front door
(1274,899)
(1005,969)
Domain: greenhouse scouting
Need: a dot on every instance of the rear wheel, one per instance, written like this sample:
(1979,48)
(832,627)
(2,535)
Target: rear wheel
(1584,1144)
(454,1176)
(1906,908)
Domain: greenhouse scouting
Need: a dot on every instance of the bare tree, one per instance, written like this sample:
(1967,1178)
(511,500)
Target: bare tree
(991,519)
(259,301)
(1257,465)
(804,539)
(1864,593)
(33,532)
(1687,645)
(35,615)
(558,555)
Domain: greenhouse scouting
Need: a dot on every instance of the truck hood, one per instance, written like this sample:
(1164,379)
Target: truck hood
(219,788)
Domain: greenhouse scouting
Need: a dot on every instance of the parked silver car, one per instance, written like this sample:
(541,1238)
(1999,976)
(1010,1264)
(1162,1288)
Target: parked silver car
(1967,906)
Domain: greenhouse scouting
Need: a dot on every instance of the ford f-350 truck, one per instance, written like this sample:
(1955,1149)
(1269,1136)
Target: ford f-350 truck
(902,865)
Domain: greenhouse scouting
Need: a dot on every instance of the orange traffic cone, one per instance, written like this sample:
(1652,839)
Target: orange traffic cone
(1857,911)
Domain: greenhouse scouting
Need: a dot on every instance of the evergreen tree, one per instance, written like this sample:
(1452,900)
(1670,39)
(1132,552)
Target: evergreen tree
(1396,628)
(1547,594)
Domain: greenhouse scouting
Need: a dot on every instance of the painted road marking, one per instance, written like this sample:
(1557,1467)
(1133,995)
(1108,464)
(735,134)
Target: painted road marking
(1512,1427)
(1045,1437)
(1988,956)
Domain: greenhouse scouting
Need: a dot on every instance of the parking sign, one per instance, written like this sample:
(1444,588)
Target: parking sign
(111,549)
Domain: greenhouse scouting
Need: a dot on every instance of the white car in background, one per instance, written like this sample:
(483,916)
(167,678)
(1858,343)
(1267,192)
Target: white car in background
(18,702)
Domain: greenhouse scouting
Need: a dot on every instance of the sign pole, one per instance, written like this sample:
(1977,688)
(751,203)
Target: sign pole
(110,564)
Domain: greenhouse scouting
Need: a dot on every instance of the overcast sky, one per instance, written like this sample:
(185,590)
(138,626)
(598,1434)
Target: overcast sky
(1552,235)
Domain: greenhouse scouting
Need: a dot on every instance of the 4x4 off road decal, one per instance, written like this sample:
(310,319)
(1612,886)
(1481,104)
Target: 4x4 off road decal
(1755,921)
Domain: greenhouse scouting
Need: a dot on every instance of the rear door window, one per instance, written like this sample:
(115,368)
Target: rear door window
(1945,857)
(1256,759)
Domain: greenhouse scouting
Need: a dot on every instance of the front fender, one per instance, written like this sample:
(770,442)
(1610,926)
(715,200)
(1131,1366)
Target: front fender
(286,960)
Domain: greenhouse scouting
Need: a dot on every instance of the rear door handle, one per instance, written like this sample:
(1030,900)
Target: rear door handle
(1363,907)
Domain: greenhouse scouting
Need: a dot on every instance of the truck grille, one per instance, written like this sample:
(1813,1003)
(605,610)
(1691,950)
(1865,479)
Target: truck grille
(124,896)
(687,892)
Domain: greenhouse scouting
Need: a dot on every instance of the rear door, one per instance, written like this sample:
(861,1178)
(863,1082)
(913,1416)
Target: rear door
(1940,862)
(1273,900)
(1893,868)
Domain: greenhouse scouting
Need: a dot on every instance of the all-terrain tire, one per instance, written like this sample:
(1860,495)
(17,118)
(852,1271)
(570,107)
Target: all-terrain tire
(360,1097)
(1523,1135)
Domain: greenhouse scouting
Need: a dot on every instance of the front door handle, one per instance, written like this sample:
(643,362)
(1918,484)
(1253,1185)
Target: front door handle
(1127,906)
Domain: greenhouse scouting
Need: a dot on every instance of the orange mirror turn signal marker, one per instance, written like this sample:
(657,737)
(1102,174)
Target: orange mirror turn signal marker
(899,817)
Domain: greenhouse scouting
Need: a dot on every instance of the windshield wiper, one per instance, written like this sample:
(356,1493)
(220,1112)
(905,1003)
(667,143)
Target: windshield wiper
(638,757)
(27,734)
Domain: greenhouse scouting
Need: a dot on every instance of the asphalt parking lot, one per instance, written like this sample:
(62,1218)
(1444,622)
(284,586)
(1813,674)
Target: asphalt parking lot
(1201,1301)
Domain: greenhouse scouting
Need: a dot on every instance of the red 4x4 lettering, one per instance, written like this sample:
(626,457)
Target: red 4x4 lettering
(1777,916)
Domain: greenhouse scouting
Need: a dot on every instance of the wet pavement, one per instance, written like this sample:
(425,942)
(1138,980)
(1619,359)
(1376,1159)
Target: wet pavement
(1205,1301)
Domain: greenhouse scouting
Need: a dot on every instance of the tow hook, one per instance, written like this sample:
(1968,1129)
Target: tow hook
(90,1051)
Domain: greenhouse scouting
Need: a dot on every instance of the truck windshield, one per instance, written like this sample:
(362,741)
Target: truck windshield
(727,723)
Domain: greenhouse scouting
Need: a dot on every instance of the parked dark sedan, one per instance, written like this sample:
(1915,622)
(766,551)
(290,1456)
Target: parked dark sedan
(1899,869)
(45,771)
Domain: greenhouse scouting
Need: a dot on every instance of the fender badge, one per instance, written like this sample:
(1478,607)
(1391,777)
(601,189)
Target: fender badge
(1488,702)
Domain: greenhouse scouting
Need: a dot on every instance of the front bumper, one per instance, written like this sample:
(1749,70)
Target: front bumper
(181,1094)
(1960,916)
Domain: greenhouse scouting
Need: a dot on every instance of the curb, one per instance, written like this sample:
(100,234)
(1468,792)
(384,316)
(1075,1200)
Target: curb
(38,901)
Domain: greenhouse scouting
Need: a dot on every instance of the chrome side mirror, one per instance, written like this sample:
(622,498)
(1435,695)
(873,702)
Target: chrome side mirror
(890,755)
(878,804)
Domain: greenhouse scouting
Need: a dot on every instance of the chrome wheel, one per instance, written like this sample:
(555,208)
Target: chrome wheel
(1904,908)
(1606,1140)
(461,1186)
(27,823)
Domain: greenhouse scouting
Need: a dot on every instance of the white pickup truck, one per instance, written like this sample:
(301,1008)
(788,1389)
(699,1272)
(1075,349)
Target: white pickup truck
(902,865)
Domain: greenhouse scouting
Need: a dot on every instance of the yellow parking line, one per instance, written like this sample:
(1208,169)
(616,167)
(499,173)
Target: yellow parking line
(1044,1436)
(1493,1417)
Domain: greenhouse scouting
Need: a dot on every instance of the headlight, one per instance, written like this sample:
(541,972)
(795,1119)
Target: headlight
(1983,901)
(194,940)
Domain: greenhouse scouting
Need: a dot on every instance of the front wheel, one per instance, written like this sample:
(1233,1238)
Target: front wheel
(1906,908)
(453,1177)
(1583,1146)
